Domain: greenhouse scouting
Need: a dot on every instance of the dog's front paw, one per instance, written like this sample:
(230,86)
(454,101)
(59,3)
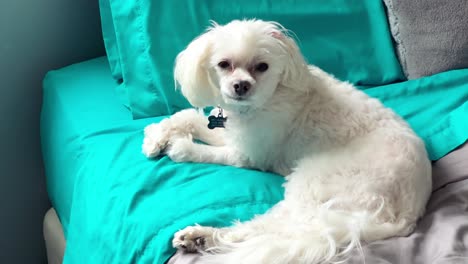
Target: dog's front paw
(159,136)
(156,139)
(181,149)
(194,239)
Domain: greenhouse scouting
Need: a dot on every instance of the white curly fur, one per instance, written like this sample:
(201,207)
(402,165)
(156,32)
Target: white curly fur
(355,171)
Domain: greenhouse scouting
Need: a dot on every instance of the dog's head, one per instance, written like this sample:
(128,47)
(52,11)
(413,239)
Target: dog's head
(239,64)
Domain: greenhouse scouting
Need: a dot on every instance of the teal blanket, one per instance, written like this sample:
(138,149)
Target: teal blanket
(126,208)
(436,107)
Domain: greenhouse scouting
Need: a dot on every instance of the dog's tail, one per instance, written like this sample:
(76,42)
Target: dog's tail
(327,238)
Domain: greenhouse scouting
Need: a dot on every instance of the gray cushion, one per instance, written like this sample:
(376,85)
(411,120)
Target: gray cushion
(431,35)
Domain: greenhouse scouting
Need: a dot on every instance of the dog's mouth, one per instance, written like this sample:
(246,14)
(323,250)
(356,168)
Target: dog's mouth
(236,98)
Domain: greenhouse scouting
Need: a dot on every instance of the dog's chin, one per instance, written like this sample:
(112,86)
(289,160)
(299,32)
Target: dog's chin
(236,100)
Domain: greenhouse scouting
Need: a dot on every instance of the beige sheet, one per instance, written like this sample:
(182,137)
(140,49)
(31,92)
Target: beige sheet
(54,238)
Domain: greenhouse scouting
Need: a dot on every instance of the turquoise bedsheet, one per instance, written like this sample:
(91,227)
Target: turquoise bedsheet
(76,99)
(119,207)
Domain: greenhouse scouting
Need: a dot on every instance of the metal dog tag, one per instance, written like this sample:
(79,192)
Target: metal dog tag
(216,118)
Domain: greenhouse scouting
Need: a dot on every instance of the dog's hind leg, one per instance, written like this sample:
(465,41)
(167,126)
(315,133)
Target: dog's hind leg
(278,236)
(210,239)
(321,235)
(326,212)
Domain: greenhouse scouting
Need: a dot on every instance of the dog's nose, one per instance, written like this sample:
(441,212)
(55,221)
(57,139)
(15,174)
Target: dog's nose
(242,87)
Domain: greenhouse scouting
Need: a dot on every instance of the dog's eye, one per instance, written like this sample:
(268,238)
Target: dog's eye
(261,67)
(224,64)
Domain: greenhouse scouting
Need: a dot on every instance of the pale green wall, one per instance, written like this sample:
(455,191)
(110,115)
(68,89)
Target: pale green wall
(35,36)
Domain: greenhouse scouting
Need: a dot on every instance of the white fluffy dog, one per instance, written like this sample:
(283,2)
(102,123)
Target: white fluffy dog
(355,171)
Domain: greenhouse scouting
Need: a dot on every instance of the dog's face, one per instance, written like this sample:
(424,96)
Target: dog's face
(237,65)
(247,64)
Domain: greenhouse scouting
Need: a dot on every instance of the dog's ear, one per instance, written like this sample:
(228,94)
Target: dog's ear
(191,72)
(296,67)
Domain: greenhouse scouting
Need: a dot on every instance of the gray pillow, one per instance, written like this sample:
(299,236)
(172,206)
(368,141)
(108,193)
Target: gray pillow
(431,35)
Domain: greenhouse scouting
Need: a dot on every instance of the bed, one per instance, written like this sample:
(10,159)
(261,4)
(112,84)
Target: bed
(112,205)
